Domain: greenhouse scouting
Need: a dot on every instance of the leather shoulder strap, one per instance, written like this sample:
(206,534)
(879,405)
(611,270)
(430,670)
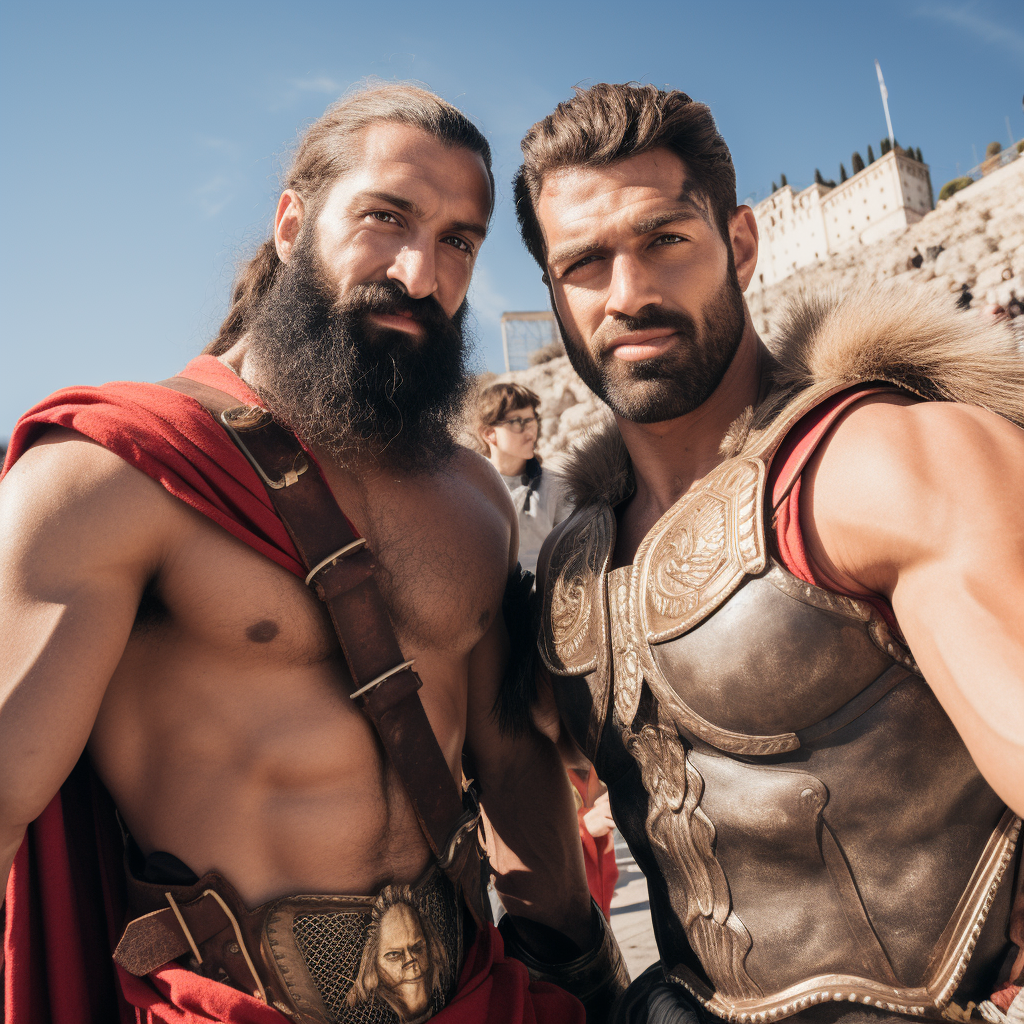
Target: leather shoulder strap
(341,570)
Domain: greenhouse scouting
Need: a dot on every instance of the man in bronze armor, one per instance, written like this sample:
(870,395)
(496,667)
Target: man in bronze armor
(784,621)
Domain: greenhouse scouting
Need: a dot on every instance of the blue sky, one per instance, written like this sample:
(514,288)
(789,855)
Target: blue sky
(142,143)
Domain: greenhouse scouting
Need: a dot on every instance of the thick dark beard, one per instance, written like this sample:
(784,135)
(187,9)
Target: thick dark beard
(678,382)
(350,387)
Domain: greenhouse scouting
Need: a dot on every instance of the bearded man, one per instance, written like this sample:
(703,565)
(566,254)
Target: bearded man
(273,760)
(784,620)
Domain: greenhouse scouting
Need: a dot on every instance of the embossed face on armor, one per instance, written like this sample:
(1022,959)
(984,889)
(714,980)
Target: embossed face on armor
(644,284)
(405,965)
(403,961)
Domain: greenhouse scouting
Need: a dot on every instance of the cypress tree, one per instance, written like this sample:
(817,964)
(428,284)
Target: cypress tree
(871,154)
(842,174)
(782,180)
(818,179)
(885,146)
(919,158)
(775,188)
(857,163)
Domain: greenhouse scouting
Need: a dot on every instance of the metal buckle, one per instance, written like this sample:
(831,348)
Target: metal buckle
(382,677)
(348,549)
(465,826)
(290,477)
(184,927)
(261,992)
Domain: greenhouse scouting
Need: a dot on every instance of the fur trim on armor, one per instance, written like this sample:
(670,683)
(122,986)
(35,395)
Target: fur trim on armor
(886,333)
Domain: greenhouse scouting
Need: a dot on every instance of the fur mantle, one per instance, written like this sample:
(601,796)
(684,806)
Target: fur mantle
(889,332)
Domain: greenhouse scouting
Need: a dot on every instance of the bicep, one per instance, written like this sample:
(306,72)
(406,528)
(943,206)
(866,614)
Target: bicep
(925,505)
(76,549)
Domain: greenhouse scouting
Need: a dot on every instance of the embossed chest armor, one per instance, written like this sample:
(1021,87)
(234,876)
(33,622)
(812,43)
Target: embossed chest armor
(811,825)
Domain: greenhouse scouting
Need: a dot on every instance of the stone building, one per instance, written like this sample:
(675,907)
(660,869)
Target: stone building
(798,229)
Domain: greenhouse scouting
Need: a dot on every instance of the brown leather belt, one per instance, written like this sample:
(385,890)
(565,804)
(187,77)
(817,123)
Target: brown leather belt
(307,956)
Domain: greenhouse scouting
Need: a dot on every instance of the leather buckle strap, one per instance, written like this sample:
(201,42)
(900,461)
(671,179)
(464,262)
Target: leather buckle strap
(464,828)
(154,939)
(287,478)
(383,677)
(341,566)
(335,557)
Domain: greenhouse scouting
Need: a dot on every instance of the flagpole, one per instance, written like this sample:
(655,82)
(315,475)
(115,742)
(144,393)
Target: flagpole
(885,103)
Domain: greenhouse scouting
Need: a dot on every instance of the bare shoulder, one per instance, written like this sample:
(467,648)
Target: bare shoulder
(490,491)
(482,475)
(66,487)
(898,479)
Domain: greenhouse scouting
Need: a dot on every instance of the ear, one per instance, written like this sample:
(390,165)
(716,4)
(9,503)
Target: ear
(490,436)
(547,280)
(743,238)
(287,223)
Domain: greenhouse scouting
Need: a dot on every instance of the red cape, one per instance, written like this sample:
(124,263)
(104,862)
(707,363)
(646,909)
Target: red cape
(598,853)
(65,896)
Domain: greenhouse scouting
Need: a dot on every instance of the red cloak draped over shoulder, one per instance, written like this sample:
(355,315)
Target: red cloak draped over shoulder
(65,902)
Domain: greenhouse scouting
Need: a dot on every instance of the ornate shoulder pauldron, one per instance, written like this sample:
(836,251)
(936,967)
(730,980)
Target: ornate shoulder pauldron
(698,552)
(695,556)
(575,610)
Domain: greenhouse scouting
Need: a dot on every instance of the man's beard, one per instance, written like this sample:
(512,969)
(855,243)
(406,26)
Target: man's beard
(350,387)
(680,380)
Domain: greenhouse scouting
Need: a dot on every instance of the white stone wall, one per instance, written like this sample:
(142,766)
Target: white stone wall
(792,232)
(800,229)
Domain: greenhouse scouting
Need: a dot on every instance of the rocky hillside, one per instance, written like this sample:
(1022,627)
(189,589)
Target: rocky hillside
(980,232)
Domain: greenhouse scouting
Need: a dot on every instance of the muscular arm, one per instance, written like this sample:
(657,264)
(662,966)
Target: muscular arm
(924,504)
(79,538)
(526,794)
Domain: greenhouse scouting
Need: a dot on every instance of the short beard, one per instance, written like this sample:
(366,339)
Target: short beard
(682,379)
(351,388)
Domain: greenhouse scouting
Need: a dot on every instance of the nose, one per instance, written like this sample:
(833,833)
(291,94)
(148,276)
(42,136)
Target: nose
(631,288)
(413,267)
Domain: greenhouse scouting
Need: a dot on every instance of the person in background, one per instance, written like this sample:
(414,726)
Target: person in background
(508,425)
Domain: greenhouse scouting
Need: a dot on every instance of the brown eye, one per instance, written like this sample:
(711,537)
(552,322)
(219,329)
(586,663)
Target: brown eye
(458,243)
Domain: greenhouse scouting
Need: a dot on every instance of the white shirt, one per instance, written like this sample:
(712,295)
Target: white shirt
(540,509)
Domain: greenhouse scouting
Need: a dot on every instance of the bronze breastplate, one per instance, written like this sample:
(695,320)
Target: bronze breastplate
(810,823)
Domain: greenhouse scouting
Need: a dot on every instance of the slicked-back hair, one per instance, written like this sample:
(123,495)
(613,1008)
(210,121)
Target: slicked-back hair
(323,155)
(606,123)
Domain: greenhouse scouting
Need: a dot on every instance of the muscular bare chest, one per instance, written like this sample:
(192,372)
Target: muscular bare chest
(441,551)
(228,723)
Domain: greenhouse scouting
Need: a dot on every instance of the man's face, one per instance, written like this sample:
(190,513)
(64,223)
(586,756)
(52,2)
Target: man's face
(359,345)
(410,210)
(403,963)
(644,284)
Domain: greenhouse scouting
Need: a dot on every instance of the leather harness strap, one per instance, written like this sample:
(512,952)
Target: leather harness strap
(341,569)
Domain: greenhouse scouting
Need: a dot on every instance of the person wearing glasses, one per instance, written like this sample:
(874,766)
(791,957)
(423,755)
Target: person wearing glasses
(508,425)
